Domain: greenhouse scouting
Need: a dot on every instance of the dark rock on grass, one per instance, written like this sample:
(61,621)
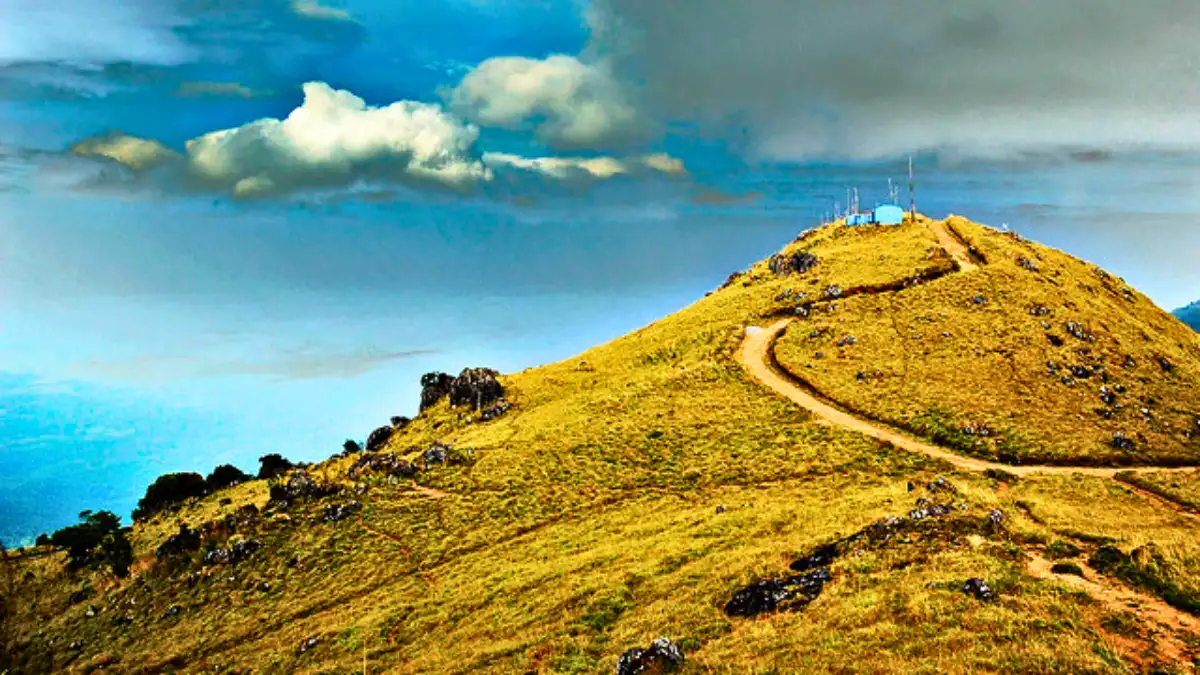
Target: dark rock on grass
(1108,558)
(233,554)
(1067,568)
(336,512)
(434,387)
(79,596)
(307,644)
(1026,263)
(384,463)
(225,501)
(940,484)
(182,542)
(476,387)
(979,300)
(1166,365)
(931,511)
(1079,332)
(788,593)
(1081,372)
(495,410)
(379,438)
(1107,395)
(822,556)
(796,263)
(978,588)
(297,487)
(1122,442)
(832,292)
(663,656)
(172,611)
(995,519)
(438,453)
(273,465)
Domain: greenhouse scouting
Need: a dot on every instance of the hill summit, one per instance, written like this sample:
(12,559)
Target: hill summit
(932,447)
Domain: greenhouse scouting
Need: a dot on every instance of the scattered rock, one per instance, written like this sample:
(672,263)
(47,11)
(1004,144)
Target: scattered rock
(931,511)
(663,656)
(1081,372)
(832,292)
(980,429)
(941,484)
(225,501)
(847,341)
(379,438)
(438,453)
(720,509)
(434,387)
(172,611)
(234,554)
(1166,365)
(1026,263)
(182,542)
(1079,332)
(299,486)
(307,644)
(821,557)
(1107,395)
(787,593)
(978,588)
(1055,340)
(385,463)
(796,263)
(497,409)
(1122,442)
(476,387)
(336,512)
(979,300)
(91,611)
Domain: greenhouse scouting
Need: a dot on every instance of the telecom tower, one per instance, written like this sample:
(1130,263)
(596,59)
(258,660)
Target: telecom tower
(912,194)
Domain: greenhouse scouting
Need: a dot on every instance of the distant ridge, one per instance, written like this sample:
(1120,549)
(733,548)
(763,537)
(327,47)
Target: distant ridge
(1190,315)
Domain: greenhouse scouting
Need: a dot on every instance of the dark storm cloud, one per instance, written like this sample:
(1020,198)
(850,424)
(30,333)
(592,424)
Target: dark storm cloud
(876,77)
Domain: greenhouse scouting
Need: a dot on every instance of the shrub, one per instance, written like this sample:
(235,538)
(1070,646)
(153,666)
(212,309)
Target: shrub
(225,476)
(97,539)
(273,465)
(169,489)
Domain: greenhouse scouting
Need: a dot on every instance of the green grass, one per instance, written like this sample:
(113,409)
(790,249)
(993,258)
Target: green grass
(585,523)
(936,362)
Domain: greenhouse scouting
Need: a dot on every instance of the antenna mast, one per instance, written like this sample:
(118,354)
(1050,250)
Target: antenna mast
(912,194)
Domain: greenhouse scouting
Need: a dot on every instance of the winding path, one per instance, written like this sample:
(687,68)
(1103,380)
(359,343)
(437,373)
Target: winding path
(755,357)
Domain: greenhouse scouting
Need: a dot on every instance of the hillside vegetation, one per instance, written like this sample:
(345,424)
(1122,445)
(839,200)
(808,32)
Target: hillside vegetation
(1035,357)
(636,491)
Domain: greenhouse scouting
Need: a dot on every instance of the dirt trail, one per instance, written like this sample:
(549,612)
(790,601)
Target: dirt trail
(755,358)
(953,245)
(1121,599)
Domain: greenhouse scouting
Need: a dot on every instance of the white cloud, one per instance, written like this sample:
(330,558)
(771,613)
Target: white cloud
(565,168)
(334,142)
(138,154)
(568,103)
(311,9)
(334,138)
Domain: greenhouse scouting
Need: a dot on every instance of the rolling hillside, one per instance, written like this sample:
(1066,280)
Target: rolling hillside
(778,515)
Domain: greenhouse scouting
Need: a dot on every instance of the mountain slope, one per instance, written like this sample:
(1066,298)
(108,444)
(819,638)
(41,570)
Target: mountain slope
(1190,315)
(631,492)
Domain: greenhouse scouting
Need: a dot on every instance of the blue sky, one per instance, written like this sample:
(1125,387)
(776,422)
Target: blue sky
(228,229)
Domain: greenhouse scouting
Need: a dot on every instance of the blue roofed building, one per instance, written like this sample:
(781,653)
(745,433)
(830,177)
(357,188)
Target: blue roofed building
(888,214)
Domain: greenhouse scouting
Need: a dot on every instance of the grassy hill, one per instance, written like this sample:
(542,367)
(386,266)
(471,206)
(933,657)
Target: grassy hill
(633,491)
(1190,315)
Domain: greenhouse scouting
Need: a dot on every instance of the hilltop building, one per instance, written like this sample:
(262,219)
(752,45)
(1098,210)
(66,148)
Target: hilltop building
(886,214)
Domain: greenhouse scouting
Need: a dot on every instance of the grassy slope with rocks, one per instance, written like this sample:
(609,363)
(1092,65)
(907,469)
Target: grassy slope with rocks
(1049,357)
(586,522)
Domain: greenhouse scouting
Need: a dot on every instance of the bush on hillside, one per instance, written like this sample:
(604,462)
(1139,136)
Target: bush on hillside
(273,465)
(96,540)
(224,476)
(167,490)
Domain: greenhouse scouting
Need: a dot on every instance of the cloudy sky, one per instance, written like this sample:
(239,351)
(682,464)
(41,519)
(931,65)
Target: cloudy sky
(233,228)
